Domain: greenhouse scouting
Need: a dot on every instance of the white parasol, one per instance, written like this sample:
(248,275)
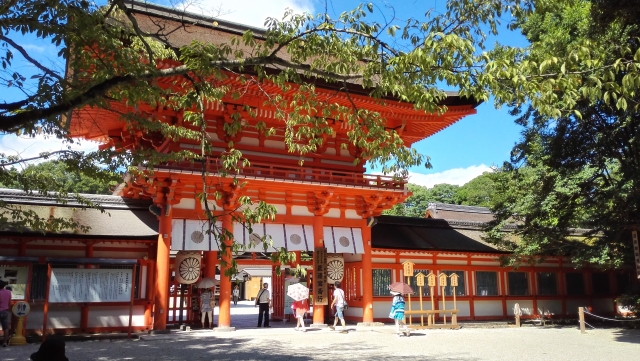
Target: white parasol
(207,282)
(298,292)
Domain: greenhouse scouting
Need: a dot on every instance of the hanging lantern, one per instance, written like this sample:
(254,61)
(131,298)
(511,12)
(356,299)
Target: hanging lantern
(335,268)
(188,264)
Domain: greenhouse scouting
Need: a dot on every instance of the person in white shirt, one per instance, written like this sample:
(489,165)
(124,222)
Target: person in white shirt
(338,302)
(263,300)
(236,295)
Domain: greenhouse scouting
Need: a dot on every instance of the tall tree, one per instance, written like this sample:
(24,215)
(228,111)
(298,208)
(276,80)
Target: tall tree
(414,206)
(64,178)
(477,192)
(582,169)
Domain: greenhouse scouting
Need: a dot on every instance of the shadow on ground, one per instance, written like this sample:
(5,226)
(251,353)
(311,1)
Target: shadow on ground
(218,348)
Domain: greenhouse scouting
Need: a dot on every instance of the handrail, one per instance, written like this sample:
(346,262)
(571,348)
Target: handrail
(313,175)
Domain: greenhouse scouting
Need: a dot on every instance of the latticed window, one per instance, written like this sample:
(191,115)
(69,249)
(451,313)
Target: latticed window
(547,284)
(575,284)
(448,291)
(600,282)
(486,283)
(518,284)
(381,282)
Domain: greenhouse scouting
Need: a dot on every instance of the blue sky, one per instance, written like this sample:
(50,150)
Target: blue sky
(458,154)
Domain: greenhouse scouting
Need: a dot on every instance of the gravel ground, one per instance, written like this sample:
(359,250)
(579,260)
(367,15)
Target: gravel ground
(376,343)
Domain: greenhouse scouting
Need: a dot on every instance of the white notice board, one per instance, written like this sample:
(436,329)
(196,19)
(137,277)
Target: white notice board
(90,285)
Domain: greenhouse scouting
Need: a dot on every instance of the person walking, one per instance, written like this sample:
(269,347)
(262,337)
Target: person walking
(236,295)
(300,308)
(5,314)
(338,303)
(263,301)
(205,307)
(397,313)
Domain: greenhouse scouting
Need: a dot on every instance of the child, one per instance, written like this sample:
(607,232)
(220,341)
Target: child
(299,309)
(397,313)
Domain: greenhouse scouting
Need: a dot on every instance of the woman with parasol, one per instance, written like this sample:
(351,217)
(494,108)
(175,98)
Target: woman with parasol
(300,308)
(397,305)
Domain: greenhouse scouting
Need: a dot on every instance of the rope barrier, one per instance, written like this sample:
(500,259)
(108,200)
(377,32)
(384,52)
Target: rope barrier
(609,319)
(593,328)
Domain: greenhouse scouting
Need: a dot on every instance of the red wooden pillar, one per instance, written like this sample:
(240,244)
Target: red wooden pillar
(224,317)
(149,296)
(161,301)
(210,262)
(318,234)
(534,292)
(367,275)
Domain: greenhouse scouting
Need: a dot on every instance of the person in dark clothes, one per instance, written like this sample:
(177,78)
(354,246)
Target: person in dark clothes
(50,350)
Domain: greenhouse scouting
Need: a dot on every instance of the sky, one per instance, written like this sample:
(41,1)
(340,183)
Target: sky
(458,153)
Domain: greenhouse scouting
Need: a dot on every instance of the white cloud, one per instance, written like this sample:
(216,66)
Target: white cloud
(457,176)
(25,147)
(247,12)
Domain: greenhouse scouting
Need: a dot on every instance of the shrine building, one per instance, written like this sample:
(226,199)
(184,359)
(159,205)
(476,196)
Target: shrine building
(151,246)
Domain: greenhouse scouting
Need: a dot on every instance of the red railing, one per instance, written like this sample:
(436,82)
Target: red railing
(302,174)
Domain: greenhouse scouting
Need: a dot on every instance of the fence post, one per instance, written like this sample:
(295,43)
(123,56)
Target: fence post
(581,316)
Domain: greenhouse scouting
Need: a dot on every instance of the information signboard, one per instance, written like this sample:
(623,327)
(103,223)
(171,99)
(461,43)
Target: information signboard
(90,285)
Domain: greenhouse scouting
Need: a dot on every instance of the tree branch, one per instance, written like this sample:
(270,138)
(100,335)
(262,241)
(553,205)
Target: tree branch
(14,121)
(30,59)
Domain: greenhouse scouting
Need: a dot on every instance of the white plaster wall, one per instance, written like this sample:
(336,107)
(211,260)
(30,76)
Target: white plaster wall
(333,213)
(330,151)
(485,263)
(603,305)
(463,306)
(59,317)
(381,308)
(351,214)
(186,203)
(249,141)
(526,306)
(300,211)
(354,312)
(447,261)
(115,316)
(274,144)
(415,303)
(487,308)
(553,307)
(573,304)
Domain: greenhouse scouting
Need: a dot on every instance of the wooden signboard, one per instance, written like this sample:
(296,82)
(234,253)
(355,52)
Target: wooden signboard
(408,268)
(442,279)
(420,279)
(320,292)
(454,279)
(431,279)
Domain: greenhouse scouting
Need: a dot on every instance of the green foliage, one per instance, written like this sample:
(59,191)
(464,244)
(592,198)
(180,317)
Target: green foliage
(477,192)
(579,169)
(60,176)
